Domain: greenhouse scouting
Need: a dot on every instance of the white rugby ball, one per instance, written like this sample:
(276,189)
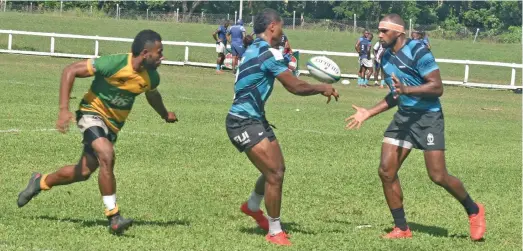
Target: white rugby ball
(324,69)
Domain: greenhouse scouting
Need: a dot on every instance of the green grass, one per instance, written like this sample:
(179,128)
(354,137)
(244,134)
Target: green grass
(300,39)
(184,182)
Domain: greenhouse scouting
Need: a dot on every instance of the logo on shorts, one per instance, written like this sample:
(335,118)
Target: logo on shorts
(430,139)
(242,139)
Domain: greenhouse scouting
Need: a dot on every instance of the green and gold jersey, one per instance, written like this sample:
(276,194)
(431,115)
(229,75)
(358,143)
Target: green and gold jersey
(115,87)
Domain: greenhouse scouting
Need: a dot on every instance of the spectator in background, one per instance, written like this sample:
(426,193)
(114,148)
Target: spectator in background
(425,39)
(220,35)
(378,52)
(235,35)
(363,48)
(422,37)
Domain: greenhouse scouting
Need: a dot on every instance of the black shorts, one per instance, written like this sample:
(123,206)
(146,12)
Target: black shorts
(93,127)
(420,130)
(245,133)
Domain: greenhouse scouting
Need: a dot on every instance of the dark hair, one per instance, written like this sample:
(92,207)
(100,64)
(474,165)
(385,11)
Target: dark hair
(264,18)
(395,18)
(247,40)
(143,39)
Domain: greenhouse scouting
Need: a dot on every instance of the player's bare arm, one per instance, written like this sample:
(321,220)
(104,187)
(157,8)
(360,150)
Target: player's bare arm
(362,114)
(302,88)
(357,46)
(154,98)
(214,35)
(75,70)
(433,86)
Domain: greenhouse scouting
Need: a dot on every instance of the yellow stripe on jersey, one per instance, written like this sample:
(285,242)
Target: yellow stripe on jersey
(90,68)
(129,80)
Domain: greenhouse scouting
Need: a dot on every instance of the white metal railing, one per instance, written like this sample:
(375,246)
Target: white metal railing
(186,61)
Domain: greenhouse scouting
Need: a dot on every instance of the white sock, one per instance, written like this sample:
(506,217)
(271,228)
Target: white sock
(109,201)
(254,201)
(274,225)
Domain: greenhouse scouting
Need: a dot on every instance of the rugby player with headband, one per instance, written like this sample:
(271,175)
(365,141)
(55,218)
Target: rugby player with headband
(414,79)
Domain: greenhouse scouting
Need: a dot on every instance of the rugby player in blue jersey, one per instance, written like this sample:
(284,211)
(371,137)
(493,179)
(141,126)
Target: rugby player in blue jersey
(220,36)
(236,34)
(247,126)
(414,78)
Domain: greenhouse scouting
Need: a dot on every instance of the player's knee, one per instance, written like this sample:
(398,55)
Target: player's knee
(385,173)
(275,176)
(106,158)
(439,178)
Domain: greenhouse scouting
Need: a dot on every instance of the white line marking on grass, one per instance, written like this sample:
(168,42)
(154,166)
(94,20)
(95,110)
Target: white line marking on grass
(14,130)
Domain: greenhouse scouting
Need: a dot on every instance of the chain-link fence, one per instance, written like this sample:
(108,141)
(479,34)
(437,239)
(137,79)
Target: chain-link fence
(296,22)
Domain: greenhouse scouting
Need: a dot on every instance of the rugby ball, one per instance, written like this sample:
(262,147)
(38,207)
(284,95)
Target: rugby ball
(324,69)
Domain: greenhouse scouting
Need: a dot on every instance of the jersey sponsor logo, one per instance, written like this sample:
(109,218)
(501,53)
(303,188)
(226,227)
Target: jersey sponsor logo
(120,100)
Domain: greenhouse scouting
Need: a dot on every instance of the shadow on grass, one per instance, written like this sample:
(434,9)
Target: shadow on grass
(290,227)
(431,230)
(93,223)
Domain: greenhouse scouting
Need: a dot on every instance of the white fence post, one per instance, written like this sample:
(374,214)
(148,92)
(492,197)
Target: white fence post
(228,16)
(91,10)
(186,59)
(10,41)
(354,23)
(466,79)
(513,77)
(235,15)
(117,10)
(147,14)
(475,36)
(293,19)
(52,44)
(177,14)
(61,7)
(410,27)
(5,4)
(96,47)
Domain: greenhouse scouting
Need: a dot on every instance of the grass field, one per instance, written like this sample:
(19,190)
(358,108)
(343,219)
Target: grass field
(184,182)
(300,39)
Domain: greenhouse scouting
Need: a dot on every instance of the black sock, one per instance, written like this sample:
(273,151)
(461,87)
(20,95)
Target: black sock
(470,206)
(399,218)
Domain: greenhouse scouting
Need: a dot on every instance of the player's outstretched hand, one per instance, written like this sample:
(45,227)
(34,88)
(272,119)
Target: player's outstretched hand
(329,92)
(64,117)
(357,119)
(171,117)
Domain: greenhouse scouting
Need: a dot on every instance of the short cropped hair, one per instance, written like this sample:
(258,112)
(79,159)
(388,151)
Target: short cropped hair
(144,39)
(264,18)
